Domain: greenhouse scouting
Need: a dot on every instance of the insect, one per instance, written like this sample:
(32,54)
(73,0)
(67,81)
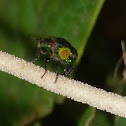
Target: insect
(59,50)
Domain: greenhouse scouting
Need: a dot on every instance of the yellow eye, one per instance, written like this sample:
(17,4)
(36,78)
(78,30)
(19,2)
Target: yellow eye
(64,53)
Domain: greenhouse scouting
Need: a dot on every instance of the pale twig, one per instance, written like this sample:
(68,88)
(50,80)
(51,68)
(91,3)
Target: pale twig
(70,88)
(124,58)
(117,67)
(123,51)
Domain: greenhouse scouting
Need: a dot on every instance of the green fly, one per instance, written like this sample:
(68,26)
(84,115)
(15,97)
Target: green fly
(59,50)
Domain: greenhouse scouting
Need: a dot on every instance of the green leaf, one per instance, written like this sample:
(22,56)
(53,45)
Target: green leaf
(100,119)
(87,117)
(72,19)
(20,101)
(120,121)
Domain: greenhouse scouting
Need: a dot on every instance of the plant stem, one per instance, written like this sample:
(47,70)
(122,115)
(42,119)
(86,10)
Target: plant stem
(70,88)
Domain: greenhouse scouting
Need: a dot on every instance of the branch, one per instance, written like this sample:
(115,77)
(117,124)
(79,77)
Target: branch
(124,58)
(70,88)
(123,51)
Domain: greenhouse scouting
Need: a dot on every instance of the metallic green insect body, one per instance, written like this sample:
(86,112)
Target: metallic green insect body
(57,49)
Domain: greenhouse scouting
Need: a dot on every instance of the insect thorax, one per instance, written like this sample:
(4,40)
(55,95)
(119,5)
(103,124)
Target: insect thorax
(57,49)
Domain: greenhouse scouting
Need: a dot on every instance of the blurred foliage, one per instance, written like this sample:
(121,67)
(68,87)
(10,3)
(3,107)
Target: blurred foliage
(87,117)
(120,121)
(100,119)
(20,102)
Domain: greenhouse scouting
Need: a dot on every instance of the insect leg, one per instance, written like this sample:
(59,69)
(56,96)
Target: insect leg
(37,55)
(70,71)
(65,69)
(57,73)
(46,59)
(64,72)
(45,68)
